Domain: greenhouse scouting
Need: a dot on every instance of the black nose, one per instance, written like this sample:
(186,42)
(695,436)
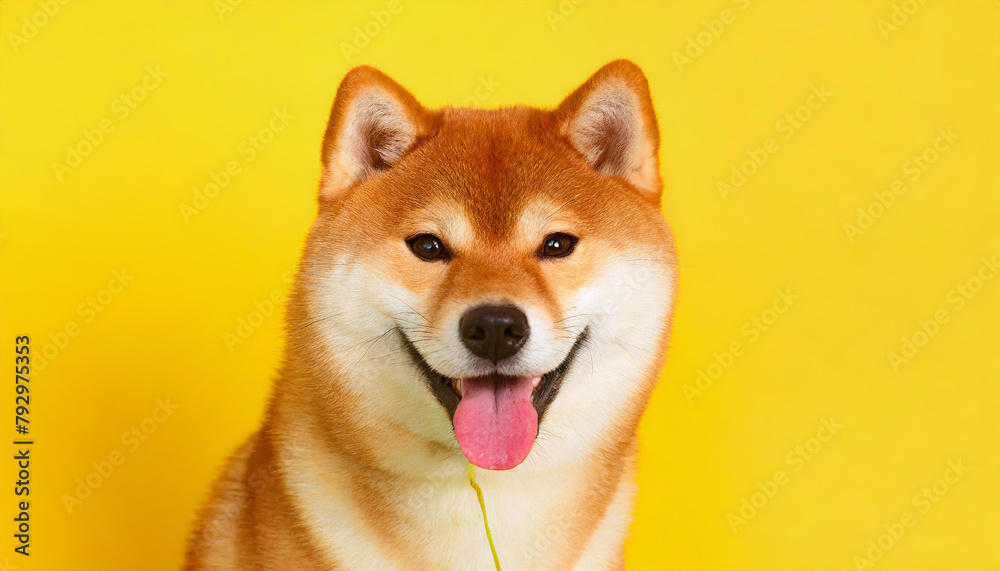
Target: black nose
(494,332)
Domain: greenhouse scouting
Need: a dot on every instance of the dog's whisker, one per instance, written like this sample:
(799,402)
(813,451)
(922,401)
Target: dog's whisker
(372,344)
(315,321)
(422,316)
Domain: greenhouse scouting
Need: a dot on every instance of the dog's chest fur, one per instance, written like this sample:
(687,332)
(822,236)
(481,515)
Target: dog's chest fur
(312,514)
(436,523)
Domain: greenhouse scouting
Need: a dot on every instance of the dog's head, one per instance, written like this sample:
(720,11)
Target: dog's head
(483,277)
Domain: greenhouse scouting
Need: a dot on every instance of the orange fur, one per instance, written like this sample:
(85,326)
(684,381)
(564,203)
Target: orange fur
(354,464)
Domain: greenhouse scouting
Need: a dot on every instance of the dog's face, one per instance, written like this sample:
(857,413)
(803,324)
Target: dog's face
(483,277)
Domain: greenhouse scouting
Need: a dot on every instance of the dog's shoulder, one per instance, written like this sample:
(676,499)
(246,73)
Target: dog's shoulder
(213,543)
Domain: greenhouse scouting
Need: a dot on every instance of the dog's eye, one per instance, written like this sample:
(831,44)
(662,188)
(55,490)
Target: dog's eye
(428,247)
(557,245)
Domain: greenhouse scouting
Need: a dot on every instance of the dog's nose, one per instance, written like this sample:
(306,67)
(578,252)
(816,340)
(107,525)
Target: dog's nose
(494,332)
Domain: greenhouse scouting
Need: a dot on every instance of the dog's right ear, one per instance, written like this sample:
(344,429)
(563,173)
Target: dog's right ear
(374,122)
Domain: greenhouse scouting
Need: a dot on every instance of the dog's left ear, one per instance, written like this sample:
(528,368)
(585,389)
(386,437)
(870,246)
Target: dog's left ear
(373,124)
(610,121)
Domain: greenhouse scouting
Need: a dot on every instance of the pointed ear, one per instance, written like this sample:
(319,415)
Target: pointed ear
(610,121)
(373,124)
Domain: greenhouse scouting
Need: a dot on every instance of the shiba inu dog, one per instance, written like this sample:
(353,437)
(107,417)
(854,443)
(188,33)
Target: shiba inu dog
(484,286)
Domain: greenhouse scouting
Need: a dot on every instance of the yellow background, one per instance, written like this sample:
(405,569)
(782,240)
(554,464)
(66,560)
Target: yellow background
(826,356)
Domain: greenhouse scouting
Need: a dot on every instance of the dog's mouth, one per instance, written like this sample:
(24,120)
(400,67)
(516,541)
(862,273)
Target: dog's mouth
(496,417)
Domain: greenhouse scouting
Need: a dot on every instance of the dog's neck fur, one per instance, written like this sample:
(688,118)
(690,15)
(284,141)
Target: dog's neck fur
(374,494)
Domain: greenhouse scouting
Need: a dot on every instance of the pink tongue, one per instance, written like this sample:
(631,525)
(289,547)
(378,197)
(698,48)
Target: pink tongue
(495,422)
